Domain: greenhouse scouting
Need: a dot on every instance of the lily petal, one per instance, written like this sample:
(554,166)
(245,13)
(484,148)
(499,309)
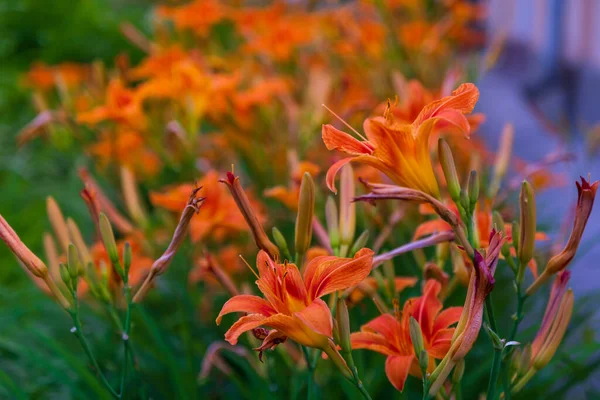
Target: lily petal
(397,368)
(242,325)
(371,341)
(317,316)
(327,274)
(248,304)
(447,317)
(335,139)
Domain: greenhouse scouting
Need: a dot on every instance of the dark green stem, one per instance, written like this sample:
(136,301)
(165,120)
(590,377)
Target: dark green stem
(125,336)
(311,369)
(78,332)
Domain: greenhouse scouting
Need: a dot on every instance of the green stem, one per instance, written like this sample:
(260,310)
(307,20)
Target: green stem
(491,393)
(125,336)
(78,332)
(505,382)
(457,391)
(497,352)
(311,370)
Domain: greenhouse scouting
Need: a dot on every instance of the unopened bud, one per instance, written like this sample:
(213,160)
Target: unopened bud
(64,274)
(416,336)
(243,204)
(343,321)
(459,371)
(360,242)
(528,224)
(131,196)
(127,258)
(473,189)
(75,235)
(306,210)
(108,237)
(423,360)
(464,200)
(281,243)
(331,216)
(449,169)
(57,220)
(22,252)
(557,332)
(73,262)
(347,207)
(516,233)
(502,159)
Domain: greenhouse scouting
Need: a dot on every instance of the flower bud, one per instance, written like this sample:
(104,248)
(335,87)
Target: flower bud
(57,220)
(423,360)
(331,216)
(459,371)
(243,203)
(360,242)
(585,202)
(416,336)
(127,258)
(22,252)
(527,223)
(281,243)
(516,233)
(306,210)
(473,189)
(75,235)
(131,196)
(347,207)
(73,262)
(343,322)
(108,237)
(502,159)
(449,169)
(64,275)
(556,333)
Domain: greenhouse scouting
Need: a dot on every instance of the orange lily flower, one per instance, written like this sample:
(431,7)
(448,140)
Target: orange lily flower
(219,215)
(401,151)
(44,77)
(122,105)
(390,335)
(289,195)
(198,16)
(292,304)
(127,148)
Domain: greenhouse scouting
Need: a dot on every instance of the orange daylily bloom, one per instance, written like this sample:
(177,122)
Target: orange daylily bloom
(289,195)
(219,215)
(370,284)
(122,105)
(401,151)
(390,335)
(198,16)
(44,77)
(292,304)
(127,148)
(140,264)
